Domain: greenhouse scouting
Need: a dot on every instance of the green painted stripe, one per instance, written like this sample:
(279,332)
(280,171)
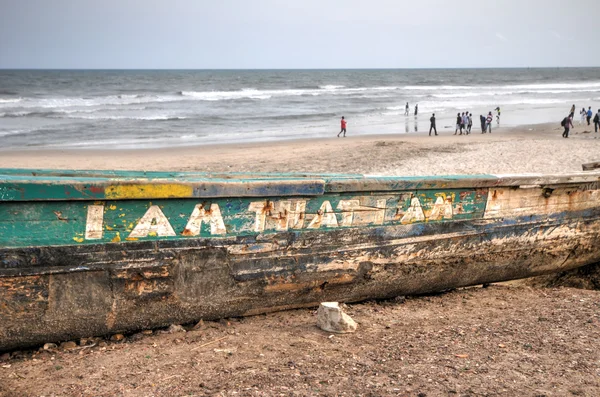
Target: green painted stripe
(24,224)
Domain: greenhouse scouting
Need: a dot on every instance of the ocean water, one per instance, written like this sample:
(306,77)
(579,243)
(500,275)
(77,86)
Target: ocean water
(124,109)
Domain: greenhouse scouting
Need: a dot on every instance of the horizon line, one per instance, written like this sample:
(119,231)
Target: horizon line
(290,69)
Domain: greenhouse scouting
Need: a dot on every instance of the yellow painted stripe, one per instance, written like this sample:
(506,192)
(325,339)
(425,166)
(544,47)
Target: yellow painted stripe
(148,191)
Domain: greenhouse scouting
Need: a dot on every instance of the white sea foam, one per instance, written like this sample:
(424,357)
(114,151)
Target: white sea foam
(331,87)
(10,100)
(16,132)
(107,117)
(68,102)
(542,88)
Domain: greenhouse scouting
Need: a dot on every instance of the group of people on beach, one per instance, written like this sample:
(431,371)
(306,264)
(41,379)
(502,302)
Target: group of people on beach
(586,115)
(464,122)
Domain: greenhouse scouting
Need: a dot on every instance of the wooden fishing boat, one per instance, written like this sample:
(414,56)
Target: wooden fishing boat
(97,252)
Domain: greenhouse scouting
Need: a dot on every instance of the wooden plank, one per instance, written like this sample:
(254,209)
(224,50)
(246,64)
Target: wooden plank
(56,188)
(45,185)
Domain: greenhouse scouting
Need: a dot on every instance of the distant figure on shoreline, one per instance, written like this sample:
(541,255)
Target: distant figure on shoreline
(432,124)
(488,122)
(482,121)
(458,124)
(416,109)
(406,110)
(497,115)
(597,121)
(469,123)
(583,114)
(573,111)
(589,115)
(343,125)
(568,124)
(465,122)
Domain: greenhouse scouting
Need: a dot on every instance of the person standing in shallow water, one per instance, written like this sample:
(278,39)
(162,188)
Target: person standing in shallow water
(343,124)
(432,124)
(482,121)
(406,110)
(416,109)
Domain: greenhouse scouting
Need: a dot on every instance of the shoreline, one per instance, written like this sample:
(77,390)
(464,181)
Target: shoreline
(503,151)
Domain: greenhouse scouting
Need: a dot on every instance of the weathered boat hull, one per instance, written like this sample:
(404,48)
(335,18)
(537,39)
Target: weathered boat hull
(347,239)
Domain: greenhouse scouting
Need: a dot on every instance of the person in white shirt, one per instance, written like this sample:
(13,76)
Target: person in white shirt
(469,123)
(488,122)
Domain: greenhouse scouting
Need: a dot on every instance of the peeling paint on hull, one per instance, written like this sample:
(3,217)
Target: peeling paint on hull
(186,258)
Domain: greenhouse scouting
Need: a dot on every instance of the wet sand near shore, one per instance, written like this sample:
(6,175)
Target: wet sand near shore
(505,340)
(536,148)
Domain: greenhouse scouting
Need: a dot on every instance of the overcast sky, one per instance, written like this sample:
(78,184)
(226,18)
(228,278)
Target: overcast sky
(202,34)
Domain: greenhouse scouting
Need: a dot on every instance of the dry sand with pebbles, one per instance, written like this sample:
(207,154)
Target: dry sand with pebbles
(505,340)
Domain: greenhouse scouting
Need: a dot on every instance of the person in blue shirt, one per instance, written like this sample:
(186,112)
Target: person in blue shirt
(589,115)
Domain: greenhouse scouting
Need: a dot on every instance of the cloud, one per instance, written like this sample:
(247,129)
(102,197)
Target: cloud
(501,37)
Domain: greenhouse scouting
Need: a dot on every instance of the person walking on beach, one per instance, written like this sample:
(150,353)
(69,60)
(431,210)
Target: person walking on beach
(568,124)
(488,122)
(597,121)
(497,115)
(458,124)
(406,110)
(465,122)
(432,124)
(469,123)
(343,124)
(416,109)
(573,111)
(583,114)
(482,121)
(589,115)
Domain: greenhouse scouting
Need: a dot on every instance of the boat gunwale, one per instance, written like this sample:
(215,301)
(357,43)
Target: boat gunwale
(56,185)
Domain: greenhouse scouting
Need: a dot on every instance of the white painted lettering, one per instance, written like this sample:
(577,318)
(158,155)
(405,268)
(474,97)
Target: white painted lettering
(199,215)
(354,214)
(153,222)
(95,219)
(260,208)
(285,218)
(414,212)
(441,209)
(324,217)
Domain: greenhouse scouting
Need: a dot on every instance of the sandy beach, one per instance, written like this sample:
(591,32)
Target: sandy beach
(505,340)
(527,149)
